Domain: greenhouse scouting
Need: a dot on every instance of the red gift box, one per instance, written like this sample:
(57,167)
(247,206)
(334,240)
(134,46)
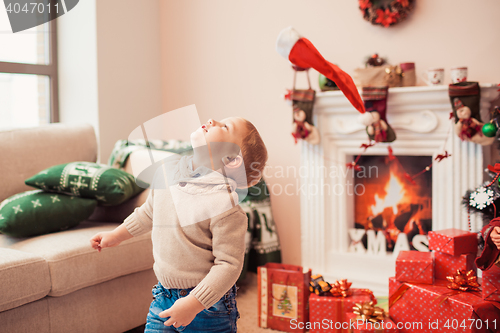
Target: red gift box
(446,265)
(327,313)
(385,326)
(453,241)
(436,308)
(415,266)
(283,295)
(491,284)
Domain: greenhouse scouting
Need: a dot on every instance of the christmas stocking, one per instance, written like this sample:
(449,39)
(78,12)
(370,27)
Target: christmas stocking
(465,99)
(303,103)
(302,53)
(377,127)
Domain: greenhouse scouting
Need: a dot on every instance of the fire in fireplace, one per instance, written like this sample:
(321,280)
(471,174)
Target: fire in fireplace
(388,202)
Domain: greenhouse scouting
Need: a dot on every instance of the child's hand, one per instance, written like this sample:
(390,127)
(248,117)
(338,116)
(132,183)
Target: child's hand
(495,236)
(182,312)
(104,239)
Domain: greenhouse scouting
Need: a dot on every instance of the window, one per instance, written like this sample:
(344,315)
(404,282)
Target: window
(28,75)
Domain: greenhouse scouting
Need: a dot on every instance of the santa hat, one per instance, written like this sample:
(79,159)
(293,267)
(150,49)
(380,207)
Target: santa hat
(302,53)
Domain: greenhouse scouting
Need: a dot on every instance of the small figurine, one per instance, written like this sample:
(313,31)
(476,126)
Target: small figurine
(377,129)
(467,127)
(302,128)
(375,61)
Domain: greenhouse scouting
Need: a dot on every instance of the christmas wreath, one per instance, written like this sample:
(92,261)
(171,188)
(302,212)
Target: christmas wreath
(386,12)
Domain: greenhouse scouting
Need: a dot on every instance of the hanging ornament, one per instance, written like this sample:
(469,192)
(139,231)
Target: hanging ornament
(481,198)
(490,129)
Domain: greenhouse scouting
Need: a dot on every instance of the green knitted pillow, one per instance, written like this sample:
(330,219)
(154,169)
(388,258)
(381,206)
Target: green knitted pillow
(107,185)
(37,212)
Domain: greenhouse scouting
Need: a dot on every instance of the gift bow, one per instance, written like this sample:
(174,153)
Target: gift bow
(341,288)
(463,281)
(368,312)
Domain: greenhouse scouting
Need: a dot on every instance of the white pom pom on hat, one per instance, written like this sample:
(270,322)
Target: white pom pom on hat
(366,118)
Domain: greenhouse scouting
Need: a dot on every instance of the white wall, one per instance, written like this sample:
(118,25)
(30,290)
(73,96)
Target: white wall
(129,60)
(109,67)
(77,60)
(220,55)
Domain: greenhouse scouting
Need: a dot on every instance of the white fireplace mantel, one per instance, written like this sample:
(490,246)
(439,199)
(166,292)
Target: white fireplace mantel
(420,118)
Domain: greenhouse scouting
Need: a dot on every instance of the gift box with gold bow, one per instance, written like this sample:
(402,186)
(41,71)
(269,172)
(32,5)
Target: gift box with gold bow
(415,266)
(334,307)
(453,241)
(453,305)
(446,264)
(368,318)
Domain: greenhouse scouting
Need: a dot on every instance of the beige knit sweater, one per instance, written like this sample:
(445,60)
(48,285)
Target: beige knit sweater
(198,229)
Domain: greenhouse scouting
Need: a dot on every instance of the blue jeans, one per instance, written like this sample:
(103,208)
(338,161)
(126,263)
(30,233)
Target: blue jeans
(220,318)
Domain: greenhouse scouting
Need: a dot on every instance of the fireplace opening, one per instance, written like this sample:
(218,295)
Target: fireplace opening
(387,201)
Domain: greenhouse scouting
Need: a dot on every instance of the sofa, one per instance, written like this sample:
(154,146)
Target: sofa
(56,282)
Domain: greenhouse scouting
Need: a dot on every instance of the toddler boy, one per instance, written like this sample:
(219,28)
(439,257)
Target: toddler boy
(198,228)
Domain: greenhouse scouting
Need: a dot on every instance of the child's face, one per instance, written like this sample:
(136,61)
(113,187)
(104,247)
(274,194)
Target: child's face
(230,129)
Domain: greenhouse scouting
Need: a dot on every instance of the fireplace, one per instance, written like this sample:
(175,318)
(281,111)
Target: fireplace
(333,242)
(387,202)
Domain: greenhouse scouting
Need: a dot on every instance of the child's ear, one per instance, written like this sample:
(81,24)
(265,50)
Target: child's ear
(232,162)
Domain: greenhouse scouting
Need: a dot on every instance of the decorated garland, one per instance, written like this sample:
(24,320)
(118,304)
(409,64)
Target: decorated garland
(386,12)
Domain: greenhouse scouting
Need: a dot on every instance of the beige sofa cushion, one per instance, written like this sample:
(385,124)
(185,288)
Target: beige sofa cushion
(111,307)
(32,317)
(28,151)
(25,278)
(74,265)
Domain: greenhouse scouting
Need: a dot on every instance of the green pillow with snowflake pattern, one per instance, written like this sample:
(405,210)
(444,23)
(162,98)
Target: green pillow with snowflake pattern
(109,186)
(36,212)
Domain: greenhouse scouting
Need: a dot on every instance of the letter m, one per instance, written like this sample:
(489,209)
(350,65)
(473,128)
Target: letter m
(376,242)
